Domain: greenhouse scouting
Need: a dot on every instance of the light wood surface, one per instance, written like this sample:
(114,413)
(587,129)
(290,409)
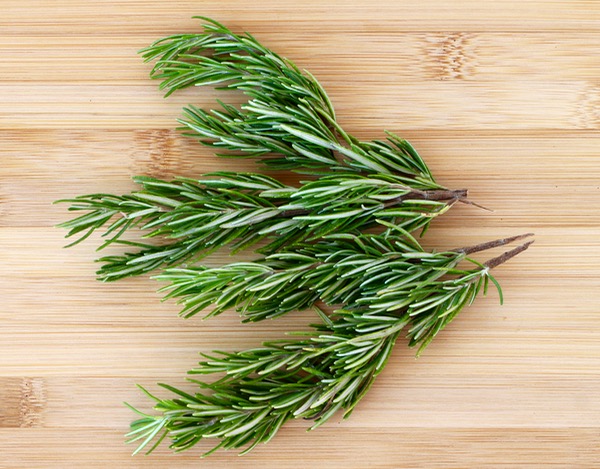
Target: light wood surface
(502,97)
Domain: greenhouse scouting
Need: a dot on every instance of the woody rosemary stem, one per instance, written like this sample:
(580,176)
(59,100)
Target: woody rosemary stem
(436,194)
(502,258)
(492,244)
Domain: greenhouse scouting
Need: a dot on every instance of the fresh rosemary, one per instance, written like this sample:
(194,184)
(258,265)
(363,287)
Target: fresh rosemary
(315,252)
(288,123)
(379,270)
(196,217)
(329,370)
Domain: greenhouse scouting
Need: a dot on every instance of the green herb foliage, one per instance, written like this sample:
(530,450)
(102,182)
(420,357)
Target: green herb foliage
(381,270)
(314,249)
(192,218)
(289,123)
(288,120)
(330,369)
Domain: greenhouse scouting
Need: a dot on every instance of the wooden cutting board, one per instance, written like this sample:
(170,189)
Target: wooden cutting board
(499,97)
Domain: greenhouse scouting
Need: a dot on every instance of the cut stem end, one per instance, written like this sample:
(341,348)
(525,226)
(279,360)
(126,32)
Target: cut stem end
(502,258)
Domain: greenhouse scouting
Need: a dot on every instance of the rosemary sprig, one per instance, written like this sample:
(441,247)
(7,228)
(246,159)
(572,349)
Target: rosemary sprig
(381,270)
(192,218)
(289,121)
(330,369)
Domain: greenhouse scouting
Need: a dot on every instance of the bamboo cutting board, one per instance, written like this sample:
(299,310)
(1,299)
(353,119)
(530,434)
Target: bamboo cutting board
(499,97)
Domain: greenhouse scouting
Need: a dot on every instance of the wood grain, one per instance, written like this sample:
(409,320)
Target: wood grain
(499,97)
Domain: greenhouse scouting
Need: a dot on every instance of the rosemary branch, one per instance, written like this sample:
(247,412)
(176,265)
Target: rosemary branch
(330,369)
(289,121)
(340,269)
(192,218)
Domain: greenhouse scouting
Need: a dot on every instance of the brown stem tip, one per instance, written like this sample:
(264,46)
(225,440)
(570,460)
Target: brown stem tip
(492,244)
(502,258)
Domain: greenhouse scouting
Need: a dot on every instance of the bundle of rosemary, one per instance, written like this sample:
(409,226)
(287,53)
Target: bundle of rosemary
(314,249)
